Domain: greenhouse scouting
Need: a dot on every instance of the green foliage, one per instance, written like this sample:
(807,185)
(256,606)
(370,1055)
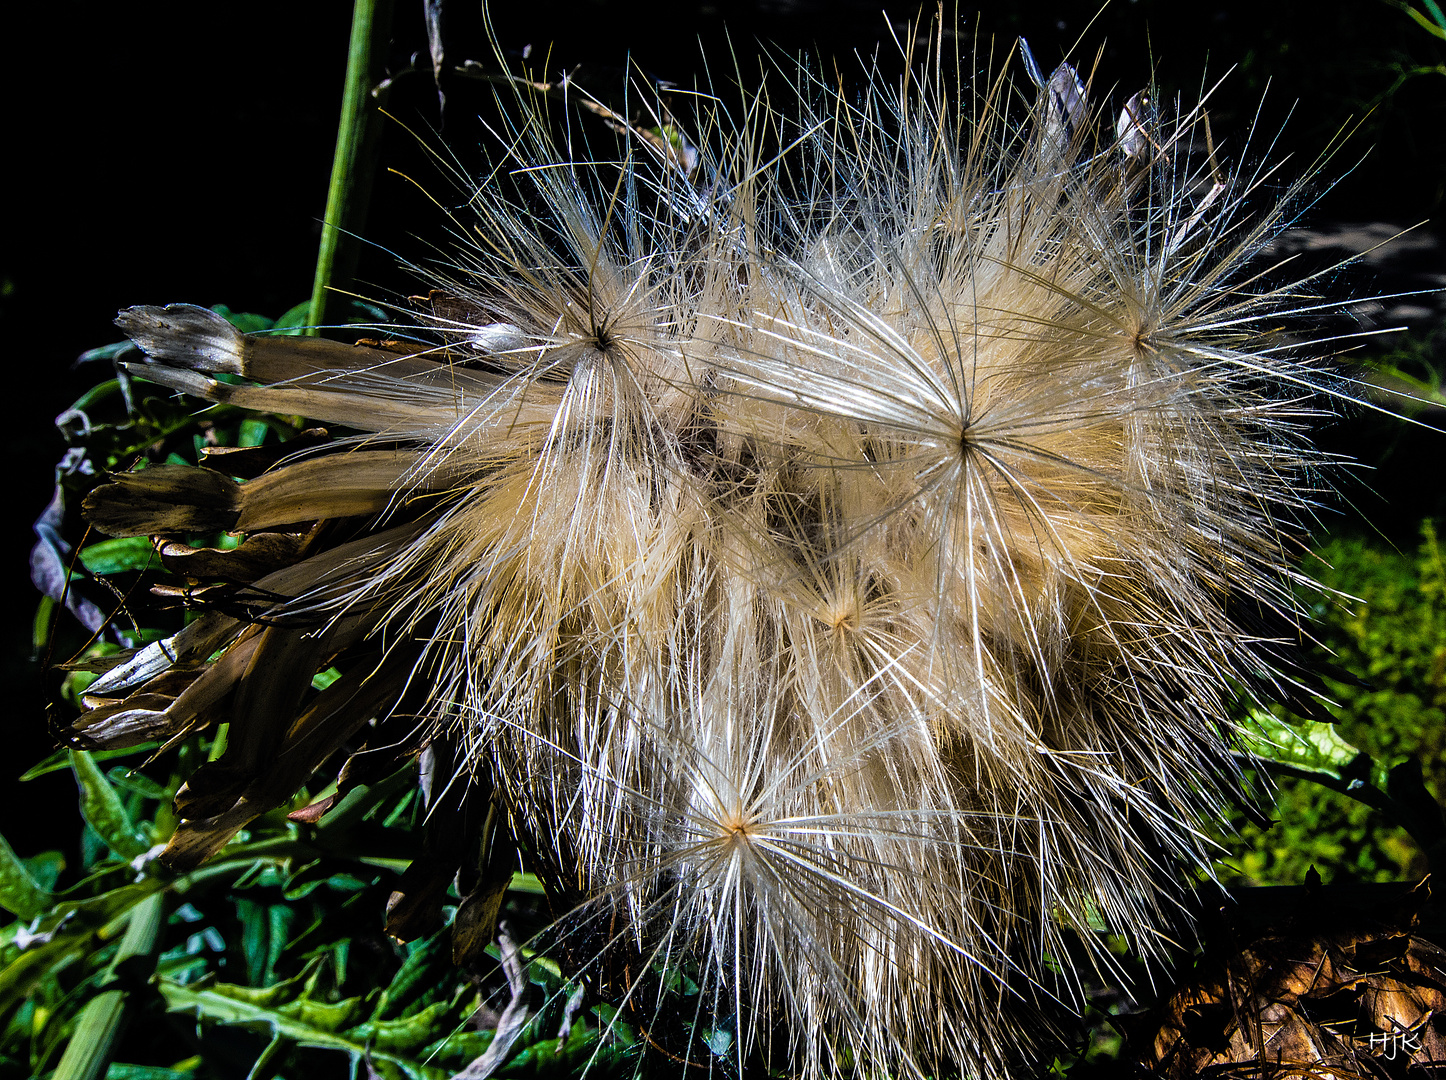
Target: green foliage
(278,939)
(272,959)
(1390,628)
(1340,798)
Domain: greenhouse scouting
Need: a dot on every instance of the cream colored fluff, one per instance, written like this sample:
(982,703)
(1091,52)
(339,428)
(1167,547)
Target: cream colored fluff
(834,555)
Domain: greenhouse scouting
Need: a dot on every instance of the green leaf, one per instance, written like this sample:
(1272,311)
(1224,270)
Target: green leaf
(407,1033)
(549,1057)
(20,977)
(252,432)
(293,320)
(324,1015)
(351,313)
(526,883)
(245,321)
(99,1021)
(100,391)
(251,915)
(118,555)
(322,679)
(61,759)
(719,1040)
(104,352)
(20,893)
(417,978)
(460,1045)
(43,624)
(1305,745)
(137,782)
(102,808)
(359,311)
(264,932)
(316,1026)
(365,799)
(69,930)
(309,877)
(45,868)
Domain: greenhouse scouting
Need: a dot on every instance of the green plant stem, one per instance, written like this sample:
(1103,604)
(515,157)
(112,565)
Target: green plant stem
(349,193)
(99,1022)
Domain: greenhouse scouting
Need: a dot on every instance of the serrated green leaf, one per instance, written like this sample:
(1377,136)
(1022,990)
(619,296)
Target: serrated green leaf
(118,555)
(216,1004)
(553,1057)
(99,1022)
(407,1033)
(102,808)
(279,918)
(19,977)
(325,1015)
(262,997)
(417,977)
(251,914)
(460,1045)
(71,931)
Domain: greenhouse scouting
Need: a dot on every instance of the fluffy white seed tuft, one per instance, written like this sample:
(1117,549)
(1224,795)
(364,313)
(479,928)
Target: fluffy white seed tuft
(842,548)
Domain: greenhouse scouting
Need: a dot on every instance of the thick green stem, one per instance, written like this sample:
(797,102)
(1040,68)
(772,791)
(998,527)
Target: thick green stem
(352,166)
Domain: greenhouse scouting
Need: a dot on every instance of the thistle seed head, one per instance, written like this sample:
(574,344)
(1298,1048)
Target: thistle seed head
(840,548)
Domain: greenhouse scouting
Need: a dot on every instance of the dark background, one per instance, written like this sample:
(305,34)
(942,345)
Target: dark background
(179,152)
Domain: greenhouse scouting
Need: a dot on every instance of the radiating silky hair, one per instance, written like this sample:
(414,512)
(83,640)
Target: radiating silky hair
(840,537)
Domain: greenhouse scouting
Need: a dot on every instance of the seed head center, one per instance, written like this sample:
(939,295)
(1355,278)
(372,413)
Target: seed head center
(842,618)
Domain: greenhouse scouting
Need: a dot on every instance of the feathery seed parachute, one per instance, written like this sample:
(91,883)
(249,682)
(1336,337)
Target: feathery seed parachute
(838,545)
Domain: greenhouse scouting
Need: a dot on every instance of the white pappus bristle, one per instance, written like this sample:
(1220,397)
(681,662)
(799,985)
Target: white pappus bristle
(842,546)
